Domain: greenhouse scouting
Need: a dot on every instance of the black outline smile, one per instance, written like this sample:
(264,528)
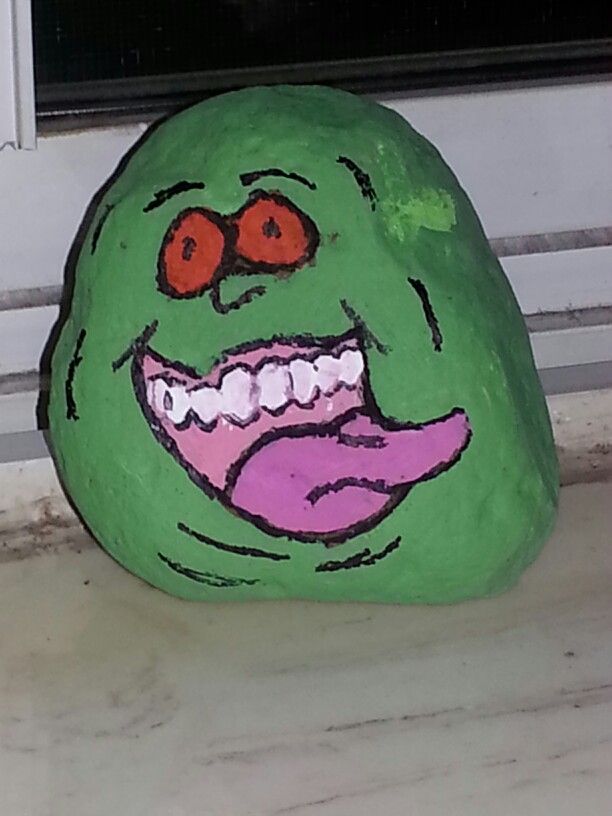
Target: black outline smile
(398,493)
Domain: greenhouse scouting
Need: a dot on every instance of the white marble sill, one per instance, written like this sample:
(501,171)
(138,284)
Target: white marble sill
(116,700)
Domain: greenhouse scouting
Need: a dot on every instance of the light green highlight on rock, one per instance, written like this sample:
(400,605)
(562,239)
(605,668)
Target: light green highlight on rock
(430,209)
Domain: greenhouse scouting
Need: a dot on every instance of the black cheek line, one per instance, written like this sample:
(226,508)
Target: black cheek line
(253,552)
(209,578)
(136,346)
(365,558)
(77,359)
(430,316)
(368,337)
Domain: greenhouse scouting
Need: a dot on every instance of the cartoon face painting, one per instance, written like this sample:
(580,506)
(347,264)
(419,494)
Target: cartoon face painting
(291,366)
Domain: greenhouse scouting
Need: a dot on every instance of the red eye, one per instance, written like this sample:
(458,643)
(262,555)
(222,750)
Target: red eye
(273,232)
(191,253)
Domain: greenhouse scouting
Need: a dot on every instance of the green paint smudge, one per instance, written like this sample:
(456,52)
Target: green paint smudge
(431,209)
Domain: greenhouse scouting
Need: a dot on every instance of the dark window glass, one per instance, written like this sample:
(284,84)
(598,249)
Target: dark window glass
(80,42)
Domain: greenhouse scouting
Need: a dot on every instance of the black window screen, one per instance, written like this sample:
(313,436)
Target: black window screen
(122,52)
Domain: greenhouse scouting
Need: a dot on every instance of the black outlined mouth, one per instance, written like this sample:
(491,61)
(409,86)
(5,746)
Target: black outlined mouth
(245,431)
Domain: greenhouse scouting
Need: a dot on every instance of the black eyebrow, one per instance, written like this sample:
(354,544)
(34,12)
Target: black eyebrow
(255,175)
(161,196)
(362,178)
(75,362)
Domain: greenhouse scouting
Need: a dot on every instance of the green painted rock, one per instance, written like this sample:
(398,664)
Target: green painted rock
(292,366)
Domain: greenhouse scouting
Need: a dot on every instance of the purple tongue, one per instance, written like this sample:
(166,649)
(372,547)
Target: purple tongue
(325,484)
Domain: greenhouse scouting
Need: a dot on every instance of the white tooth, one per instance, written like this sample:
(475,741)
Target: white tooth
(351,366)
(237,398)
(303,380)
(327,370)
(206,402)
(158,395)
(170,400)
(150,391)
(177,404)
(274,386)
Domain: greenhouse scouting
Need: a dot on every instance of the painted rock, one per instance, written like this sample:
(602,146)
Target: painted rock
(292,367)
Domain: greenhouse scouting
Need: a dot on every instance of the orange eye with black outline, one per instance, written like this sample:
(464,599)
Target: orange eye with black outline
(192,251)
(273,232)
